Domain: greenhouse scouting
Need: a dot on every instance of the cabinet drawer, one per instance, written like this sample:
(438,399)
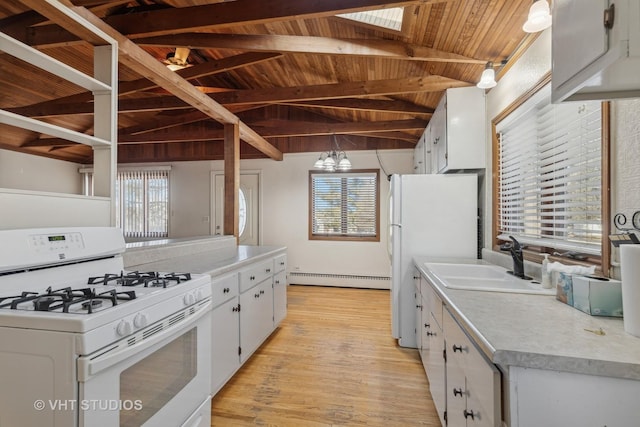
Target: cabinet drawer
(280,263)
(482,385)
(224,288)
(434,302)
(256,273)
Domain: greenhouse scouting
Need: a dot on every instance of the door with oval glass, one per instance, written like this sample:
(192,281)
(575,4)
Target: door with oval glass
(248,210)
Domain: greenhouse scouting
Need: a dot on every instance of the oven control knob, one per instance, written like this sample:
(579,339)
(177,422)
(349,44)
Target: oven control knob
(141,320)
(199,295)
(189,299)
(124,328)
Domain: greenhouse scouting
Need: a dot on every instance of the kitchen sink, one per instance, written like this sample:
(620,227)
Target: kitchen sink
(484,277)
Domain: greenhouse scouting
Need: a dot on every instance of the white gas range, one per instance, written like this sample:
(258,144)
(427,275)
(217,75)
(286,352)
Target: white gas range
(84,343)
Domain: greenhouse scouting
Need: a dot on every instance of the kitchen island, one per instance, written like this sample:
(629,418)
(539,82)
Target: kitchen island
(557,367)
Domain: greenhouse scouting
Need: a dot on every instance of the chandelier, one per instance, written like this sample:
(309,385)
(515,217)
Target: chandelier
(333,160)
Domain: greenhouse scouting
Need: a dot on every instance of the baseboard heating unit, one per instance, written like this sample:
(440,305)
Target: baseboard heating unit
(345,280)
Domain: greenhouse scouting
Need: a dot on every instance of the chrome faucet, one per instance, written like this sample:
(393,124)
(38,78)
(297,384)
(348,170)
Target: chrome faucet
(518,259)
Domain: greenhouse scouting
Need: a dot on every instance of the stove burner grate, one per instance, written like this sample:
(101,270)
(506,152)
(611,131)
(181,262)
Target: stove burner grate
(65,299)
(147,279)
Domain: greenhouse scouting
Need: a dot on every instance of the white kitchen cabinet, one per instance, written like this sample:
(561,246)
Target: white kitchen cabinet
(279,289)
(420,164)
(279,297)
(256,273)
(553,398)
(457,131)
(591,60)
(432,353)
(473,383)
(464,385)
(225,330)
(419,310)
(248,304)
(256,317)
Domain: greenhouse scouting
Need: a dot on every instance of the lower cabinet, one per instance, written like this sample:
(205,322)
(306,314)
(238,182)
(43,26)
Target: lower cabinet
(226,343)
(248,305)
(473,383)
(256,317)
(464,385)
(279,297)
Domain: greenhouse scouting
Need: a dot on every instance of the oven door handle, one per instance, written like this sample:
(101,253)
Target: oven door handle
(89,366)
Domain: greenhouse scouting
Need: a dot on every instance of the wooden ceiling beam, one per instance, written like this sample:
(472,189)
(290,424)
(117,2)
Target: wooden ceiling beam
(307,44)
(264,96)
(339,90)
(213,16)
(275,129)
(190,73)
(364,104)
(288,128)
(134,57)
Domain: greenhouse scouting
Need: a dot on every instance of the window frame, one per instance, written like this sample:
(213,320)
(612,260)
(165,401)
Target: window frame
(375,238)
(536,253)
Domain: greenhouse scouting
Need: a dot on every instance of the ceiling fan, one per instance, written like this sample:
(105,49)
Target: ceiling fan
(178,59)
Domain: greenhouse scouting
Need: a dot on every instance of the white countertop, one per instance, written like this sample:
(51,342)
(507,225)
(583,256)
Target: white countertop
(213,262)
(537,331)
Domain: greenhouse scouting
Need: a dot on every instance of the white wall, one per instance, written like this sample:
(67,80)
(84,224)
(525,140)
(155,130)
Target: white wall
(21,171)
(284,211)
(285,207)
(625,132)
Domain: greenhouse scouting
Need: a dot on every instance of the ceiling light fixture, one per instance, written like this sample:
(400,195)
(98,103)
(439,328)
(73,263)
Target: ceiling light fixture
(333,160)
(488,78)
(539,17)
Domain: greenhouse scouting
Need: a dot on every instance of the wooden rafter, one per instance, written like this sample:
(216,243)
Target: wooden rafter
(264,96)
(195,72)
(306,44)
(138,60)
(364,104)
(274,129)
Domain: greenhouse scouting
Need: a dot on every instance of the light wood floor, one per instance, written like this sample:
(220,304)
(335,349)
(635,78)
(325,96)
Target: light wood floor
(332,362)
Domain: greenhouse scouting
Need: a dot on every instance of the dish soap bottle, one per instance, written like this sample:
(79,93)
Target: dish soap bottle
(546,274)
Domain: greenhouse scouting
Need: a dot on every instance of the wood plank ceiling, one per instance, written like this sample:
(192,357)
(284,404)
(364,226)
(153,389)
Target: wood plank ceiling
(295,73)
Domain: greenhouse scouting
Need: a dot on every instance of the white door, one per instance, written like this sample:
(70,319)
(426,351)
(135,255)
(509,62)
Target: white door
(249,207)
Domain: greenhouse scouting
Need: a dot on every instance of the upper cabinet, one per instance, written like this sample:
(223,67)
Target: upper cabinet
(456,131)
(422,156)
(595,50)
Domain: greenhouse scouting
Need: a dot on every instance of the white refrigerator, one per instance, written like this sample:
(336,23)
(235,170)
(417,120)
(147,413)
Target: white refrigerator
(430,215)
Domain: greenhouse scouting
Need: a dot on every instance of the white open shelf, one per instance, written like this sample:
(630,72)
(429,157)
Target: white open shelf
(104,86)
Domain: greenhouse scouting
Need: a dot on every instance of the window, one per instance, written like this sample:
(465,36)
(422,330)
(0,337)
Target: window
(344,206)
(550,173)
(142,200)
(390,18)
(142,203)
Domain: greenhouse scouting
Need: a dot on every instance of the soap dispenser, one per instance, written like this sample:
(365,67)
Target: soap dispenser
(546,274)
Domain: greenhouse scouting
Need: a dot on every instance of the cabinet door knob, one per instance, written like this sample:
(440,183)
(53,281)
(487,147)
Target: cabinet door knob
(256,295)
(431,334)
(457,392)
(468,414)
(426,325)
(261,292)
(268,270)
(457,348)
(225,290)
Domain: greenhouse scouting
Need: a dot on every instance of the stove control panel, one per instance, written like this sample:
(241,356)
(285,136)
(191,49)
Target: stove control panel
(56,243)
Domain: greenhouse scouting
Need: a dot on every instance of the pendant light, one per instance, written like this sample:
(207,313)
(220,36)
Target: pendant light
(539,17)
(488,78)
(334,159)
